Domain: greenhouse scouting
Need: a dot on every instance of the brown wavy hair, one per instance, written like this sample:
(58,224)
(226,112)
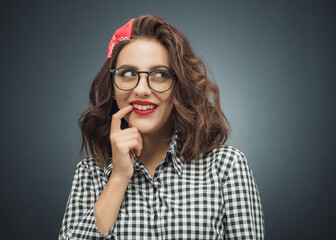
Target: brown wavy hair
(196,114)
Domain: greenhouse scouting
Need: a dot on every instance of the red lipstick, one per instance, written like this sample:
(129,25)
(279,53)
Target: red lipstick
(143,103)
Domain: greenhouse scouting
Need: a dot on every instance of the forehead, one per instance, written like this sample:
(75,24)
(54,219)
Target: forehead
(143,53)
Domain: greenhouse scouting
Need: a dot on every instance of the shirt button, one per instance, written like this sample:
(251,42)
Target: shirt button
(155,217)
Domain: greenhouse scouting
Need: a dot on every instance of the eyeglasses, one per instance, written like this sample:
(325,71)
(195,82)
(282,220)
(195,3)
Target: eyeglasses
(127,79)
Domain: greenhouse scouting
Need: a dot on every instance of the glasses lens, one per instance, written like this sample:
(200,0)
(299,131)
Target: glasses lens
(125,79)
(160,80)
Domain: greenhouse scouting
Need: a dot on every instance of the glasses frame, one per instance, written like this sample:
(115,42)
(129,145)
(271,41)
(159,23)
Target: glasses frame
(112,71)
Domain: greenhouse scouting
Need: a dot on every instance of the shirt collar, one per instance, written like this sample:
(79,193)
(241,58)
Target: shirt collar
(171,152)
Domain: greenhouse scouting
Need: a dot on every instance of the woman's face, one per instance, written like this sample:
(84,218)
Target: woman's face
(145,55)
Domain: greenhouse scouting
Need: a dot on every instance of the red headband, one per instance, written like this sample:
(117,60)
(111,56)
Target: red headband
(122,33)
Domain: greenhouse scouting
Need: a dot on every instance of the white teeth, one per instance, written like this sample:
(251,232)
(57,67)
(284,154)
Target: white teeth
(143,107)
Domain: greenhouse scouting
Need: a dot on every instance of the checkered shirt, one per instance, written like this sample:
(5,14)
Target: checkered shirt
(214,199)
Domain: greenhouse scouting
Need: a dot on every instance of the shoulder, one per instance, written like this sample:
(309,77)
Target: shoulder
(89,164)
(90,168)
(227,158)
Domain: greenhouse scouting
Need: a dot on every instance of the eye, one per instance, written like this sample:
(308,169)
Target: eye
(162,74)
(126,73)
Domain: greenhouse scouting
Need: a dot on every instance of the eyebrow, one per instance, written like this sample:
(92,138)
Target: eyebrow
(150,68)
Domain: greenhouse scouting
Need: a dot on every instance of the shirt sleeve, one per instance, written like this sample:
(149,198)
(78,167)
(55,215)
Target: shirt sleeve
(79,220)
(243,210)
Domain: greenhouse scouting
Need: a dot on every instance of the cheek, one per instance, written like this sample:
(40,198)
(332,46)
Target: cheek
(167,110)
(121,98)
(166,97)
(168,101)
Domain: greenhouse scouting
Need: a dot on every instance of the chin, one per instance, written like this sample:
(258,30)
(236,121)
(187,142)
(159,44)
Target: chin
(143,126)
(144,131)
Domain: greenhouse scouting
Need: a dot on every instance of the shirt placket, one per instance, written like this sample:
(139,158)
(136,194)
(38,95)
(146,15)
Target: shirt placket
(156,201)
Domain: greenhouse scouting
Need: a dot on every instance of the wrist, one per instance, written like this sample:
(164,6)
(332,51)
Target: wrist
(118,179)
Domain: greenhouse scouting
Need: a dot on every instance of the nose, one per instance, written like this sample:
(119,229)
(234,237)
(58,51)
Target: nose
(142,89)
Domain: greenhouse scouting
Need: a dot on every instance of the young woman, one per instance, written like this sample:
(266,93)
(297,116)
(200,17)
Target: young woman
(159,167)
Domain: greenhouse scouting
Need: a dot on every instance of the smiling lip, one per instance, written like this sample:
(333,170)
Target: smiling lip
(143,103)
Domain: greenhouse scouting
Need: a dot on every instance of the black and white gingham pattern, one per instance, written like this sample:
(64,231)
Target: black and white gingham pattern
(215,199)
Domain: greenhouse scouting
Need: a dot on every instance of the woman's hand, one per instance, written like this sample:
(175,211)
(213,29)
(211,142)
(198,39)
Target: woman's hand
(124,143)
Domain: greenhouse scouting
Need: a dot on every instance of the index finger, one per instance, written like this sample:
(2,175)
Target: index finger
(116,118)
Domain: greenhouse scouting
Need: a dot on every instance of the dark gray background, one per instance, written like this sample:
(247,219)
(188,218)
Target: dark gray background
(273,60)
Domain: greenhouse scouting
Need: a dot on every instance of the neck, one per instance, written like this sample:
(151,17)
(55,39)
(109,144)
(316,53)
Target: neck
(155,146)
